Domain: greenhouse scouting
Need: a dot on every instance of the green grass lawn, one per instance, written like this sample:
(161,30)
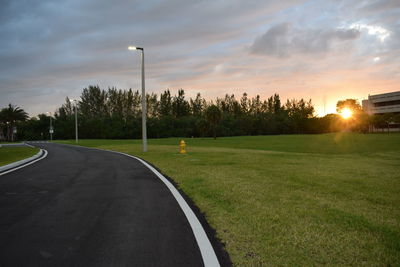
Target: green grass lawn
(11,154)
(329,199)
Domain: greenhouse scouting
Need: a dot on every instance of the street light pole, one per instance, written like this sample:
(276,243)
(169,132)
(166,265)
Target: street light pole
(51,128)
(144,108)
(8,130)
(76,121)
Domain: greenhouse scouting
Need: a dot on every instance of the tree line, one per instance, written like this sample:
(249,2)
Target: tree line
(116,114)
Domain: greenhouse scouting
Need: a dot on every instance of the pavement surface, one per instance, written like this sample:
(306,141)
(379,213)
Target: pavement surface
(83,207)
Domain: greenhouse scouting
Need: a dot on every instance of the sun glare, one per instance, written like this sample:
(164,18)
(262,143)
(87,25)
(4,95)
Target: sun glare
(346,113)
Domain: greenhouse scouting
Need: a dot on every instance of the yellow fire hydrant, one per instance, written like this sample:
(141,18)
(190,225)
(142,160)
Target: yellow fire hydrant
(182,146)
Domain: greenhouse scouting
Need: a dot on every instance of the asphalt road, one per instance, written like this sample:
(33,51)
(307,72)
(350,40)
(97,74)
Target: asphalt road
(82,207)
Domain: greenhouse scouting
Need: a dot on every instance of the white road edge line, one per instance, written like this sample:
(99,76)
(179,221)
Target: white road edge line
(207,252)
(28,145)
(206,249)
(27,164)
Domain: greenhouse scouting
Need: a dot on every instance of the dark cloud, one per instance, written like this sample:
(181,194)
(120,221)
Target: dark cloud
(284,40)
(53,48)
(47,43)
(380,5)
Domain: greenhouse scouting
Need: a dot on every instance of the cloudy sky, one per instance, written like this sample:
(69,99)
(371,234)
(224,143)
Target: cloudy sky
(300,49)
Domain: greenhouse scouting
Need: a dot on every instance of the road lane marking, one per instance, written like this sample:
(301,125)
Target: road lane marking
(207,251)
(27,164)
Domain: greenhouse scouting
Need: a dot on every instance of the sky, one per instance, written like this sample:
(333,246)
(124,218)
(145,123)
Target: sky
(320,50)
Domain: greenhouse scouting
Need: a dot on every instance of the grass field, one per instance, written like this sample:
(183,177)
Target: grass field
(11,154)
(329,199)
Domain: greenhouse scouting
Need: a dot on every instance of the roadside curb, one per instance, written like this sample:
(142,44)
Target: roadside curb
(22,163)
(12,145)
(212,250)
(217,244)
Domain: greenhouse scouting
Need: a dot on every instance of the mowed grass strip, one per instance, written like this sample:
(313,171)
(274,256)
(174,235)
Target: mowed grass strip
(285,200)
(339,143)
(11,154)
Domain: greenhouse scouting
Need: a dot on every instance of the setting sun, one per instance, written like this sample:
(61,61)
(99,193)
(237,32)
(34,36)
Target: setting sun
(346,113)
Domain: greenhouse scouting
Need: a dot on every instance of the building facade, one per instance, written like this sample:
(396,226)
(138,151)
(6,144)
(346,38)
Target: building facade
(382,103)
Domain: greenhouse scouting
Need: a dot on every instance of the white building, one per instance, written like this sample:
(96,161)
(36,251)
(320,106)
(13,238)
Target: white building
(382,103)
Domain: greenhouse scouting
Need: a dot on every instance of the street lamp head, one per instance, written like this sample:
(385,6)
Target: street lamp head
(135,48)
(74,102)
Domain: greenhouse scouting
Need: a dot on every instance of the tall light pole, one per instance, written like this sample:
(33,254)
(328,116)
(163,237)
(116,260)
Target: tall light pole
(51,128)
(76,120)
(144,110)
(8,131)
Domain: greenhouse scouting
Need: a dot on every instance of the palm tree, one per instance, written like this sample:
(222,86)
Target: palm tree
(9,116)
(213,117)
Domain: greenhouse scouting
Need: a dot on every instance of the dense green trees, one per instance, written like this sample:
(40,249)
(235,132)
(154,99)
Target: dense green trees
(115,113)
(351,104)
(213,117)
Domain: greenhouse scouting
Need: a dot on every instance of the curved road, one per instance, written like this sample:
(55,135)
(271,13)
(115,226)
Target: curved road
(83,207)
